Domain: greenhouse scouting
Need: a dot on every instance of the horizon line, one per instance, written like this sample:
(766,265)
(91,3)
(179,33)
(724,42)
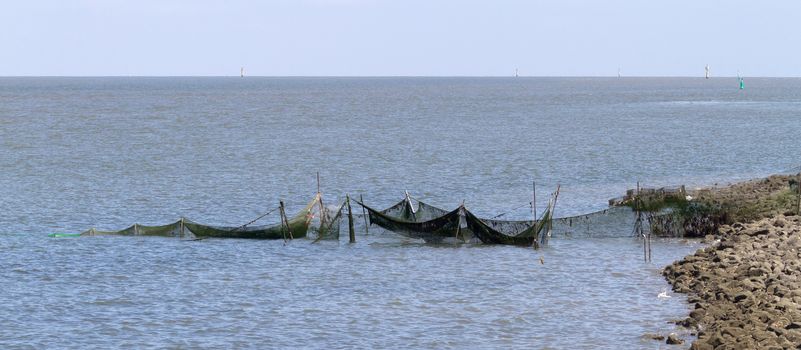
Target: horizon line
(390,76)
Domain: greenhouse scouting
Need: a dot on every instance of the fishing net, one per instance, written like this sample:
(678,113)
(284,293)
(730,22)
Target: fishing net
(611,222)
(436,229)
(330,224)
(295,227)
(407,211)
(520,233)
(175,229)
(402,210)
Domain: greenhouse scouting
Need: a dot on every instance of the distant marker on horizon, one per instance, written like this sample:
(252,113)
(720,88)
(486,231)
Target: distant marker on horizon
(706,72)
(740,80)
(618,72)
(516,75)
(242,72)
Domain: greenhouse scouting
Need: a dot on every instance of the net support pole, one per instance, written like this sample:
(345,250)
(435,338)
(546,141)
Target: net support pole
(534,199)
(551,211)
(638,224)
(364,213)
(459,225)
(320,198)
(351,230)
(285,221)
(281,214)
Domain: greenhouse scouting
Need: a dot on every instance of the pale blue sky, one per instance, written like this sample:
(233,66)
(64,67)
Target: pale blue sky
(404,37)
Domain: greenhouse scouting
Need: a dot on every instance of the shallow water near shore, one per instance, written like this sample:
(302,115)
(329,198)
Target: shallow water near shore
(152,292)
(108,152)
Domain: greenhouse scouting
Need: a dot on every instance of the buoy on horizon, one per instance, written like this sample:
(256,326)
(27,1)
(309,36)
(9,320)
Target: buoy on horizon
(742,84)
(516,75)
(706,72)
(242,72)
(741,80)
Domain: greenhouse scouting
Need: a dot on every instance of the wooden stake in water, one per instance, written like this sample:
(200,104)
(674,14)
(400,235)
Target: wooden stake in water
(638,224)
(364,213)
(459,225)
(285,222)
(534,199)
(281,215)
(320,198)
(351,231)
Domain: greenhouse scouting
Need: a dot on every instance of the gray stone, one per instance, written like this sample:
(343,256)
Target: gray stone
(672,338)
(653,336)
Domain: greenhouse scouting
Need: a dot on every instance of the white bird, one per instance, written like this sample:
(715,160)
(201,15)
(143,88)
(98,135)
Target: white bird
(689,198)
(663,295)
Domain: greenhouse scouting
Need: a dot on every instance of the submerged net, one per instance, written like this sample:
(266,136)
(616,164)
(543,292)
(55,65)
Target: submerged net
(405,210)
(330,224)
(176,229)
(295,227)
(411,225)
(414,219)
(611,222)
(520,233)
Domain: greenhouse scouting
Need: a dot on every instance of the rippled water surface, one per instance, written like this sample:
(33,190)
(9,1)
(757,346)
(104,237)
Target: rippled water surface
(107,152)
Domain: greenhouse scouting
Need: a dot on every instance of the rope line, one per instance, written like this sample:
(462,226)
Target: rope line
(511,210)
(254,220)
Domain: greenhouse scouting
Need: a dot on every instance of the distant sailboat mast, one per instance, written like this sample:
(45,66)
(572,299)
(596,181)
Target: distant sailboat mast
(618,72)
(516,73)
(242,72)
(706,72)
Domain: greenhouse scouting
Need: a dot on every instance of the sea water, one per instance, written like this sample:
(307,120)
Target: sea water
(77,153)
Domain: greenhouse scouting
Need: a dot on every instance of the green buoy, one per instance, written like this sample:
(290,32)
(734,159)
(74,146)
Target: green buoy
(63,235)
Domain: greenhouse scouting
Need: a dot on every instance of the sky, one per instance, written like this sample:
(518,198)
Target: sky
(399,38)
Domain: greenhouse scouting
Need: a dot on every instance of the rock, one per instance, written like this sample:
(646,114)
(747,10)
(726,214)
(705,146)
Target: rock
(742,296)
(757,271)
(697,314)
(674,339)
(701,346)
(653,336)
(746,289)
(759,232)
(793,325)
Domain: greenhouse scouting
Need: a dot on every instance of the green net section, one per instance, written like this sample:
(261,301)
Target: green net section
(611,222)
(176,229)
(433,230)
(406,210)
(402,210)
(519,233)
(294,227)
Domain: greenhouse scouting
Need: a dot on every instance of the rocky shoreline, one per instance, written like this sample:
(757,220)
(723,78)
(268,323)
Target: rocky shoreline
(745,287)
